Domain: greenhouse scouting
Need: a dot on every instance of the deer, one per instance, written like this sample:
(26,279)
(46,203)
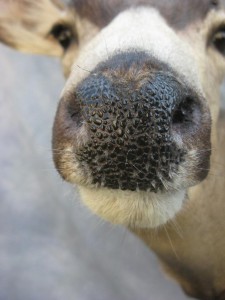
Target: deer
(139,128)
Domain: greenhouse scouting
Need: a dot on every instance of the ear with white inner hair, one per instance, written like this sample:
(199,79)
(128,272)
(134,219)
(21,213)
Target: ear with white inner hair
(36,26)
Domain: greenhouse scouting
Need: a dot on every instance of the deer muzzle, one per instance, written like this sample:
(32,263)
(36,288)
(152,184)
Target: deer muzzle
(139,119)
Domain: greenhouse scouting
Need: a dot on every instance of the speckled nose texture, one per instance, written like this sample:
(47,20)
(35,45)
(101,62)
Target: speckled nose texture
(130,122)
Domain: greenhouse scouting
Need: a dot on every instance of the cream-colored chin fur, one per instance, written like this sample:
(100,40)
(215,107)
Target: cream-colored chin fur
(132,209)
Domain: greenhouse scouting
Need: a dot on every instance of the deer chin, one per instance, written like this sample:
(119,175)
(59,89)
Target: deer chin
(137,209)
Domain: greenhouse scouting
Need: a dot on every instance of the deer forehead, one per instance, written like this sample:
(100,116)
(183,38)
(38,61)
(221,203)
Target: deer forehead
(136,29)
(176,12)
(168,30)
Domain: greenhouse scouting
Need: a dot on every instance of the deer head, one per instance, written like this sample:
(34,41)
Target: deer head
(140,108)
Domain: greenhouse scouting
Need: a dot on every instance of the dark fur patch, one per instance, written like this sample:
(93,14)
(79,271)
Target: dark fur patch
(178,13)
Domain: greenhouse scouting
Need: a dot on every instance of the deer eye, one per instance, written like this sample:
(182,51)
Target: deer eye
(219,41)
(63,34)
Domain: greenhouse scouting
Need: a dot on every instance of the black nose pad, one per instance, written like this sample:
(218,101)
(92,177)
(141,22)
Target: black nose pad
(131,129)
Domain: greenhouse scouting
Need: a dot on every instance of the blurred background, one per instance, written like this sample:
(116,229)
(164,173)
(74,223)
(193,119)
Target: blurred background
(51,247)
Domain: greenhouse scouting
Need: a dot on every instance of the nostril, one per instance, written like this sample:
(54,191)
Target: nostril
(74,113)
(74,110)
(185,113)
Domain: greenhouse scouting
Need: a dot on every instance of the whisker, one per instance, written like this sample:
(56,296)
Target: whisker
(62,151)
(106,47)
(84,69)
(205,150)
(171,243)
(177,228)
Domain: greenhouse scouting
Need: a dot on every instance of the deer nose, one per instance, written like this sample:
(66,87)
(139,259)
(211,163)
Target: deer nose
(133,124)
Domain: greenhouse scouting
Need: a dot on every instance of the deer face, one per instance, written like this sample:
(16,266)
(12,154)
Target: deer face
(134,123)
(136,118)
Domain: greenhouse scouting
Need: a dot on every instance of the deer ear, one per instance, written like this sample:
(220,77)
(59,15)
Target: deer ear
(36,26)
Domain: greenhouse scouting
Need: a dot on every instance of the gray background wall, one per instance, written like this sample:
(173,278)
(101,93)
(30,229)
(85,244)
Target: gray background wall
(51,247)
